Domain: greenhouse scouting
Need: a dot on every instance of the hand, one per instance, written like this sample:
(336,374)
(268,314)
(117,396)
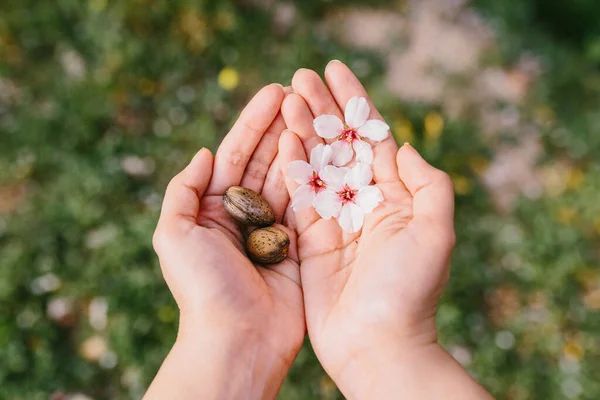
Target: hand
(235,316)
(371,297)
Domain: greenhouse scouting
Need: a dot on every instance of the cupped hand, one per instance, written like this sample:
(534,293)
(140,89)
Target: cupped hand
(375,292)
(201,248)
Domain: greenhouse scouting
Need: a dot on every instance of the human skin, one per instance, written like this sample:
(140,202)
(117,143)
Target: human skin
(371,297)
(241,325)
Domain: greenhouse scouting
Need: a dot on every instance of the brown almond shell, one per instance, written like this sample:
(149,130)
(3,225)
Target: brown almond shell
(268,245)
(248,207)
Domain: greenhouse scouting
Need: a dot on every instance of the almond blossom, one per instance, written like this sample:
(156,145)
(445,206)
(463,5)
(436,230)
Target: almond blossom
(313,177)
(351,134)
(349,197)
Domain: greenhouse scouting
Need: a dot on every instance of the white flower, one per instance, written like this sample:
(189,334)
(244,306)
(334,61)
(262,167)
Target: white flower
(349,197)
(351,134)
(313,177)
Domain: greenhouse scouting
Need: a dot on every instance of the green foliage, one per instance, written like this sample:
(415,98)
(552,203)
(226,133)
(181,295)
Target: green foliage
(102,102)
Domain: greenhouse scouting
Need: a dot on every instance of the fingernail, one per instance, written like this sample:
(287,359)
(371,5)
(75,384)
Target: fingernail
(198,153)
(333,61)
(288,93)
(279,84)
(410,150)
(407,147)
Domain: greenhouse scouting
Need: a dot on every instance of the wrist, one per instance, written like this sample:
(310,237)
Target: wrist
(230,360)
(381,367)
(374,350)
(423,371)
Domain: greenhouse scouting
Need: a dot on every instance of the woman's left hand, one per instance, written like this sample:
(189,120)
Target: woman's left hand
(241,324)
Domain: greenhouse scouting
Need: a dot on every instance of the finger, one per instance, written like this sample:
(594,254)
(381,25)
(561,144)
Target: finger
(299,119)
(344,85)
(239,144)
(433,197)
(290,149)
(275,191)
(182,198)
(289,218)
(262,157)
(309,85)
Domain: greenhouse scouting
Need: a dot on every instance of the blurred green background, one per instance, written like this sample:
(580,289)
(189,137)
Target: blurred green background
(101,102)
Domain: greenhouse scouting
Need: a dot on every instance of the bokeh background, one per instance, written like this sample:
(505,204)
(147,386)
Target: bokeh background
(101,102)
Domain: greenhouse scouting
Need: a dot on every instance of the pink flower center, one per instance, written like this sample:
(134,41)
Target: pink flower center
(316,183)
(349,134)
(347,195)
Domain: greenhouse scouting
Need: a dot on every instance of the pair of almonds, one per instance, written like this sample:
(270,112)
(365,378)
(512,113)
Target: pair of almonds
(266,245)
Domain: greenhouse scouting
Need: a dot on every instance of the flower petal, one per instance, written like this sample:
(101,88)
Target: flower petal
(342,153)
(320,156)
(303,198)
(334,177)
(374,129)
(364,152)
(359,176)
(328,204)
(328,126)
(351,218)
(357,111)
(368,198)
(300,171)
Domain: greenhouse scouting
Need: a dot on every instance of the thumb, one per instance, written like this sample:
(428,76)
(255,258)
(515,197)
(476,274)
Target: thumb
(182,197)
(433,197)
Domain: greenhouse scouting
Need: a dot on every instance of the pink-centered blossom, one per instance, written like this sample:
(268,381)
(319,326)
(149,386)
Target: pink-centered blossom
(314,177)
(351,134)
(349,197)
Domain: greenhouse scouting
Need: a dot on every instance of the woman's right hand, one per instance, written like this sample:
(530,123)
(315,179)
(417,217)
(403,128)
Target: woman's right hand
(371,297)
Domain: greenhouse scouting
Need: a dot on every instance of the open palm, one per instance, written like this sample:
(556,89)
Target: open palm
(381,284)
(201,248)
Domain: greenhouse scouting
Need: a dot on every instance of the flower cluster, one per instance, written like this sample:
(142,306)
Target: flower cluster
(330,184)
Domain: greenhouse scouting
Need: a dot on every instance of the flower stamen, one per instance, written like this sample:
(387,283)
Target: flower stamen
(349,135)
(347,195)
(316,183)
